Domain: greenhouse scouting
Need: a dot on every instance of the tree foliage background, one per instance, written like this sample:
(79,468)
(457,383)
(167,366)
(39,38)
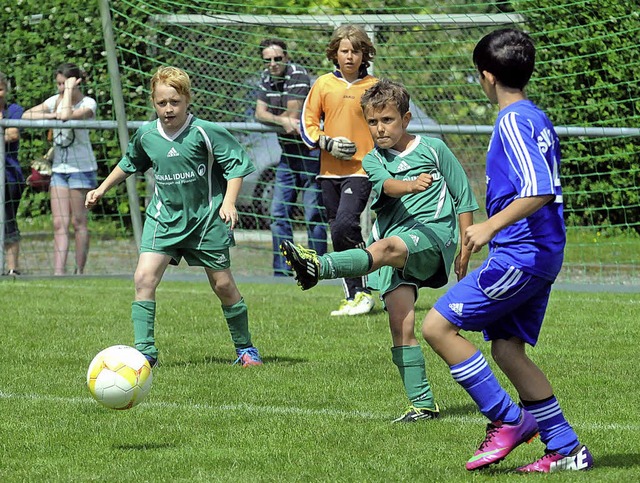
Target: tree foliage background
(586,76)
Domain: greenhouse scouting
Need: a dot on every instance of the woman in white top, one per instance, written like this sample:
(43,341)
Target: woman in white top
(74,165)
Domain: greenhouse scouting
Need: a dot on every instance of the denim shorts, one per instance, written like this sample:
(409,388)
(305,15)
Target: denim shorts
(85,180)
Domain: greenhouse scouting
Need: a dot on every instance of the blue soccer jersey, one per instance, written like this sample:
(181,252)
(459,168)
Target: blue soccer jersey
(523,160)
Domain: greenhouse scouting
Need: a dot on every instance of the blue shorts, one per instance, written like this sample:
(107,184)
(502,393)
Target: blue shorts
(498,299)
(86,180)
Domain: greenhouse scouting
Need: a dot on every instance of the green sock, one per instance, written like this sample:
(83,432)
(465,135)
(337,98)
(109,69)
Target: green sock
(143,315)
(410,362)
(346,264)
(237,316)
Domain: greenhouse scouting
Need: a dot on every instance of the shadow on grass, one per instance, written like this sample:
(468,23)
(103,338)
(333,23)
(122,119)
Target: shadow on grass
(288,361)
(143,446)
(225,361)
(460,410)
(619,461)
(616,460)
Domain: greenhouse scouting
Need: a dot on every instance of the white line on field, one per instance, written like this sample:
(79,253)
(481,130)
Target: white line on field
(295,411)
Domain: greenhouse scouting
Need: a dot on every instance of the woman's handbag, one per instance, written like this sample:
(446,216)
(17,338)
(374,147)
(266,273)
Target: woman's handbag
(40,176)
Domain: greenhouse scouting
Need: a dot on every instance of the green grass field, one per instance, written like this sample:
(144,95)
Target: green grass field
(318,410)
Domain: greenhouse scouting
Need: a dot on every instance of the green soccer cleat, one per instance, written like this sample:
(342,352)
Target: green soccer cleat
(414,414)
(304,263)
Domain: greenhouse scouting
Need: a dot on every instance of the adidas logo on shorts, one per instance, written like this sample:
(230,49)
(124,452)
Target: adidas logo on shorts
(457,308)
(415,238)
(221,259)
(172,153)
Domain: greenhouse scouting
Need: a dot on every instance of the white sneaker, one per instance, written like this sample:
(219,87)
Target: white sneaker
(344,308)
(362,304)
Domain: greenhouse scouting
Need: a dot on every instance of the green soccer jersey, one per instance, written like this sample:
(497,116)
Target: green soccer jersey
(191,169)
(437,207)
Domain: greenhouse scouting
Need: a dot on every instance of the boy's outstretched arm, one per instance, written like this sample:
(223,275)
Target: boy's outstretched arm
(478,235)
(115,177)
(461,263)
(228,211)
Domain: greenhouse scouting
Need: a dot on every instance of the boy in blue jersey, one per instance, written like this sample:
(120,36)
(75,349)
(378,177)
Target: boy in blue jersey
(507,296)
(423,197)
(198,168)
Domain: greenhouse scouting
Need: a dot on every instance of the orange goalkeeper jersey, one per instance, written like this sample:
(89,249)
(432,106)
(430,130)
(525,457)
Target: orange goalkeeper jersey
(337,102)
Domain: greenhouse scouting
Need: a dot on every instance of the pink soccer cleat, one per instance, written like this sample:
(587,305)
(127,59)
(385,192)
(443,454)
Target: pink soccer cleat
(580,459)
(501,439)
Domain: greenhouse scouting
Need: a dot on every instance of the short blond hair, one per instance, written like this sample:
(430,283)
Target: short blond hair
(172,77)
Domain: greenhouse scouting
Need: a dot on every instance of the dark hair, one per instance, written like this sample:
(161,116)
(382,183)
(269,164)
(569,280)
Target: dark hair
(269,42)
(4,80)
(70,70)
(386,92)
(508,54)
(359,40)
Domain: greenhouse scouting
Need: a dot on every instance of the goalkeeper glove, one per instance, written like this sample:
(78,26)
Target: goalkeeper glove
(340,147)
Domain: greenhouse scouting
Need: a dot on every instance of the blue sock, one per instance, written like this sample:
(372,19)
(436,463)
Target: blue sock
(555,432)
(476,377)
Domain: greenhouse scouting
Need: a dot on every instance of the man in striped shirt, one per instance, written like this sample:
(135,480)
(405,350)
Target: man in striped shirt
(282,89)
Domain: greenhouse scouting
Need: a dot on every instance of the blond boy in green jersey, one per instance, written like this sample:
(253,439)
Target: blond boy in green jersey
(198,168)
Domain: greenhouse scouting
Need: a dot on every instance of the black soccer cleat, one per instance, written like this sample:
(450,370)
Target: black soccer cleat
(414,414)
(304,263)
(153,362)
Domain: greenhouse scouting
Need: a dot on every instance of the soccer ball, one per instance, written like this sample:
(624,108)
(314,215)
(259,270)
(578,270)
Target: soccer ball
(119,377)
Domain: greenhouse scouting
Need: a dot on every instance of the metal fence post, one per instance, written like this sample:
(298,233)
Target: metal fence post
(121,115)
(3,195)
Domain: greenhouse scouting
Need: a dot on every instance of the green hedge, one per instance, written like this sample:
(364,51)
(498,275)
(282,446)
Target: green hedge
(586,76)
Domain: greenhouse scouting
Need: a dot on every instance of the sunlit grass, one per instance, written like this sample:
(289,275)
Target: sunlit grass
(318,410)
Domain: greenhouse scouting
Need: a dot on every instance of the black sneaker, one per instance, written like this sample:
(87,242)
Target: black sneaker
(304,263)
(11,273)
(153,362)
(414,414)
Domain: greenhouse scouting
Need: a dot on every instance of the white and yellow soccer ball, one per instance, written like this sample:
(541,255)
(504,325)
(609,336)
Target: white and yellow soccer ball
(119,377)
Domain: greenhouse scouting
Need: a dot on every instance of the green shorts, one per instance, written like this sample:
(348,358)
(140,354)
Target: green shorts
(213,259)
(424,267)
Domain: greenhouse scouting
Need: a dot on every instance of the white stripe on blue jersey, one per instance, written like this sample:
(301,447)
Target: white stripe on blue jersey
(511,134)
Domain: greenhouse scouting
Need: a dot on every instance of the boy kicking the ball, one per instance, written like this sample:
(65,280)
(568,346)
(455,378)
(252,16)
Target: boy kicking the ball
(423,197)
(198,168)
(507,296)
